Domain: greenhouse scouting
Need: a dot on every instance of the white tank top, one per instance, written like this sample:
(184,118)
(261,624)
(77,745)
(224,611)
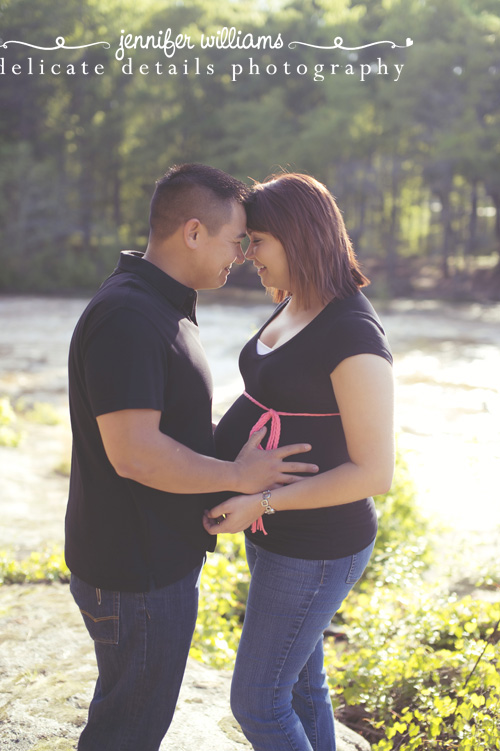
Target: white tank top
(263,349)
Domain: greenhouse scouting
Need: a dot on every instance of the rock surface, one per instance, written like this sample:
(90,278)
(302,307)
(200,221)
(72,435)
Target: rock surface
(47,675)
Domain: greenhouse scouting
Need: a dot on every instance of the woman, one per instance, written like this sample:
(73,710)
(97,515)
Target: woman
(319,370)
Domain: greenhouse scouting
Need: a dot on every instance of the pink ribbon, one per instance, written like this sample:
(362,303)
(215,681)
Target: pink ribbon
(274,435)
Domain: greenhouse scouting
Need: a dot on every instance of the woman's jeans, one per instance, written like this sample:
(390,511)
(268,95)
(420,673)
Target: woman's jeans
(142,641)
(279,693)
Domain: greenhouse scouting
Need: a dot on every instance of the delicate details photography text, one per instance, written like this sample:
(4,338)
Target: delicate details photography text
(129,53)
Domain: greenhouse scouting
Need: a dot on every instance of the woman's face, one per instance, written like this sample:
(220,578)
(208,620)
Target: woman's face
(269,258)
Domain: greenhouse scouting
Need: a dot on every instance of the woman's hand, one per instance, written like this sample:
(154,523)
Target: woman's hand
(233,515)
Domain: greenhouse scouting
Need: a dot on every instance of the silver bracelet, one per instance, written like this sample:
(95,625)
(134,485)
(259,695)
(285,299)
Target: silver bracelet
(266,497)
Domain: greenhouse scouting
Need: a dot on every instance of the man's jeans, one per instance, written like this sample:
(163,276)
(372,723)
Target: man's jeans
(279,693)
(141,643)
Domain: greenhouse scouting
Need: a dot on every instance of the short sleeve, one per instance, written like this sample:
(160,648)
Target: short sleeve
(357,333)
(125,363)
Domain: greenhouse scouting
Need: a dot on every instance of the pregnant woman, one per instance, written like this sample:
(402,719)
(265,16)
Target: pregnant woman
(319,371)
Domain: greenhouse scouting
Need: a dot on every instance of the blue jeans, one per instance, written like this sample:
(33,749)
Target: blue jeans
(142,642)
(279,693)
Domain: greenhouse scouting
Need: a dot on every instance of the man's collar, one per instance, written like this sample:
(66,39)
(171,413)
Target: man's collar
(184,298)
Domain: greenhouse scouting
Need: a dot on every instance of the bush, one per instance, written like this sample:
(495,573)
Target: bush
(9,435)
(40,567)
(42,413)
(223,594)
(419,670)
(402,528)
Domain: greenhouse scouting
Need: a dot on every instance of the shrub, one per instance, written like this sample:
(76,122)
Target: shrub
(402,528)
(223,594)
(43,414)
(40,567)
(419,670)
(9,435)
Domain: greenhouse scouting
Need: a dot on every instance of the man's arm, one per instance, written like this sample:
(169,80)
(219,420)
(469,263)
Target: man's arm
(139,451)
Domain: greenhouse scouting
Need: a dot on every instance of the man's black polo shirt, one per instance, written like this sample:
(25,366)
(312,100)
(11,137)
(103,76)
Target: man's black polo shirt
(136,346)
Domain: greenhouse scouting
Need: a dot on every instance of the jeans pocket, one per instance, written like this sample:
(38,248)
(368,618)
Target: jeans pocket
(100,609)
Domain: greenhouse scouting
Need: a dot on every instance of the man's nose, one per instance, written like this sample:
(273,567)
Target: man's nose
(240,257)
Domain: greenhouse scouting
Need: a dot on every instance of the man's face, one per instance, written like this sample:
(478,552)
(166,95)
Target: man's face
(218,252)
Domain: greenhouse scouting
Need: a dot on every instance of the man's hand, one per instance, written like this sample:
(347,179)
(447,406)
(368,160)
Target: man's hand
(258,470)
(233,515)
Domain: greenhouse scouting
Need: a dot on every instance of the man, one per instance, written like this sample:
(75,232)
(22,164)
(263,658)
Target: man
(143,465)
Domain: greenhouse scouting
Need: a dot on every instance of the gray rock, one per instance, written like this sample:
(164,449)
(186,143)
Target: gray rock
(203,719)
(348,740)
(47,675)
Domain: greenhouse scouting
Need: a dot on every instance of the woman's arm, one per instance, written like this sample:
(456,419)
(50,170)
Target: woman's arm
(364,389)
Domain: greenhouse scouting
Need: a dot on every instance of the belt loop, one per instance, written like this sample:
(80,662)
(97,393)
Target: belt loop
(98,595)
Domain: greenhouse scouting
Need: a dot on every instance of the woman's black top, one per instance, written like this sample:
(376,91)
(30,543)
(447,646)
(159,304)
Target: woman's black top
(295,377)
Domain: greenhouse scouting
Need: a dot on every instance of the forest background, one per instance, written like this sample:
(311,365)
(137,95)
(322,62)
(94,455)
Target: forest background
(411,153)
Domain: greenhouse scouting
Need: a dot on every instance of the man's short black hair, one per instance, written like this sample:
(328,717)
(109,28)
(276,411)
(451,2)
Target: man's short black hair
(193,190)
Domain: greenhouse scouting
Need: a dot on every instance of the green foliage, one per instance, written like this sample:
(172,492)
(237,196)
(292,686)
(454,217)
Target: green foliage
(42,413)
(404,538)
(64,467)
(39,412)
(488,575)
(223,594)
(421,670)
(9,434)
(40,567)
(399,516)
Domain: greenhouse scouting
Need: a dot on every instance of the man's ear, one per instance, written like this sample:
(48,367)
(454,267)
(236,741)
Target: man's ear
(192,232)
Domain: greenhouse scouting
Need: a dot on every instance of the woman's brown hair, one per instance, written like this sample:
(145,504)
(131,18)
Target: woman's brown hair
(302,214)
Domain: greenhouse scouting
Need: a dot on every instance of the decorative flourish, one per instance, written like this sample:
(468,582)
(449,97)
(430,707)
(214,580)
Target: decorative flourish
(60,45)
(338,44)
